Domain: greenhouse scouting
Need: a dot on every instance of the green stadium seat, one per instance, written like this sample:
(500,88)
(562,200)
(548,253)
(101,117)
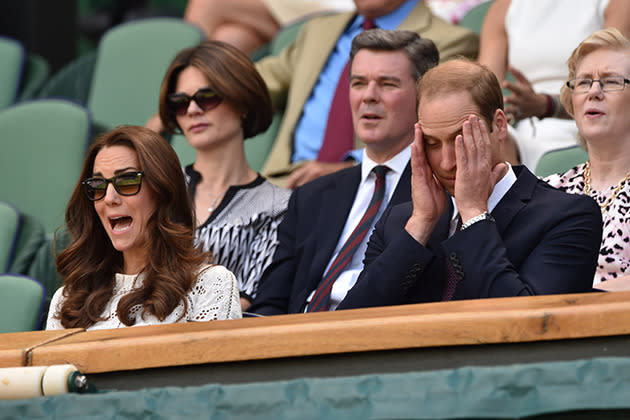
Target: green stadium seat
(12,56)
(44,145)
(132,59)
(560,160)
(21,303)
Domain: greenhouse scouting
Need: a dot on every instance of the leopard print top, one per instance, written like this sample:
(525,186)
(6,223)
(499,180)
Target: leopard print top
(614,254)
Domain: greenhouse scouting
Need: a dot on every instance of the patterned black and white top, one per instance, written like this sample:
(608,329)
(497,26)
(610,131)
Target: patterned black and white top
(614,254)
(242,232)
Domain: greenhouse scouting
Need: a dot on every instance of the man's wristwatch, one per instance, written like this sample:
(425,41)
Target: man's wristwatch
(483,216)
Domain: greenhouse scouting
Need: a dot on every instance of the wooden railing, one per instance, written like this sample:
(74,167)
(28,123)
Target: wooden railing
(458,323)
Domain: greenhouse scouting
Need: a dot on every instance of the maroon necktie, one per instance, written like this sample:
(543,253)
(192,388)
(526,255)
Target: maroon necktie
(321,298)
(339,134)
(450,282)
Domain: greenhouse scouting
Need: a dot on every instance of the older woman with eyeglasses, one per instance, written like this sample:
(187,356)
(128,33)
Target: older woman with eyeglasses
(597,95)
(132,259)
(213,94)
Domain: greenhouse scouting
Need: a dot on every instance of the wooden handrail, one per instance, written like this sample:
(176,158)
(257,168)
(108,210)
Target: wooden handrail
(473,322)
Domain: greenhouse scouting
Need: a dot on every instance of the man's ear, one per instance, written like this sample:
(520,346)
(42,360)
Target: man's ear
(499,123)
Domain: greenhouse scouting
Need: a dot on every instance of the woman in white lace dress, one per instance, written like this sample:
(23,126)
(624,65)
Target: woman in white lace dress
(132,260)
(597,95)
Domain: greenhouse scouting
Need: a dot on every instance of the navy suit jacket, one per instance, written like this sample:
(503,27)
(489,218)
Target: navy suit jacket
(544,241)
(308,236)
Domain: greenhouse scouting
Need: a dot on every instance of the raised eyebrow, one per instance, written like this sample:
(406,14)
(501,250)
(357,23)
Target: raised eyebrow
(116,172)
(123,170)
(388,79)
(379,79)
(602,74)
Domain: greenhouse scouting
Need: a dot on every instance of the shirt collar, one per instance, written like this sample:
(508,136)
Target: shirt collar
(390,21)
(396,164)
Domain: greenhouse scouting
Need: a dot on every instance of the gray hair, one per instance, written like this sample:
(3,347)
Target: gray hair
(422,52)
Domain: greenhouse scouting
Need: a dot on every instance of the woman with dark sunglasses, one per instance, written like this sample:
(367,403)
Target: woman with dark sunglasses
(132,259)
(214,96)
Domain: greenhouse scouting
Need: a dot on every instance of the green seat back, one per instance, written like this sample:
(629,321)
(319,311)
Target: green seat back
(21,303)
(132,59)
(11,65)
(473,20)
(185,151)
(35,75)
(73,81)
(44,145)
(561,160)
(9,229)
(257,148)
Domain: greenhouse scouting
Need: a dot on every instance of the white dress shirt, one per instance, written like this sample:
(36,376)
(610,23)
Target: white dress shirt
(349,276)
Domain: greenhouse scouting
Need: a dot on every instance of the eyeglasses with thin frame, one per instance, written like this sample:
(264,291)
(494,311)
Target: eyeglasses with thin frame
(607,84)
(127,183)
(206,98)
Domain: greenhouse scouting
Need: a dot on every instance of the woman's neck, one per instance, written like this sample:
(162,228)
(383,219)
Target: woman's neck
(221,169)
(134,261)
(609,165)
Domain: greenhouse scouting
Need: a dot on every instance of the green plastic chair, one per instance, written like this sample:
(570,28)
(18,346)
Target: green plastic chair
(72,81)
(560,160)
(21,303)
(44,145)
(35,75)
(9,229)
(473,20)
(132,59)
(11,64)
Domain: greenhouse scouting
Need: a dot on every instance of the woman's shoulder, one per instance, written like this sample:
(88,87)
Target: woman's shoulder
(568,181)
(214,274)
(262,195)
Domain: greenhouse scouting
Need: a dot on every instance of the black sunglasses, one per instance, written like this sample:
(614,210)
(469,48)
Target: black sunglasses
(206,98)
(127,183)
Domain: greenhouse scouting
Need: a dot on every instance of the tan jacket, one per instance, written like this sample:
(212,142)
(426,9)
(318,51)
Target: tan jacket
(291,75)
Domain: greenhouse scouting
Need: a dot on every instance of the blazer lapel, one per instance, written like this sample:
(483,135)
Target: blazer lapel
(336,201)
(515,199)
(402,193)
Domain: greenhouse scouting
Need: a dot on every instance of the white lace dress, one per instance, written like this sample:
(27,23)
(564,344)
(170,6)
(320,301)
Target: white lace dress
(214,296)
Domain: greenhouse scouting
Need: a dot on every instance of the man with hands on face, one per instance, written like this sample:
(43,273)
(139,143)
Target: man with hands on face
(476,227)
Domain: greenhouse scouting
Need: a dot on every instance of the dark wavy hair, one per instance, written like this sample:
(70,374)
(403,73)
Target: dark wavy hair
(231,74)
(88,265)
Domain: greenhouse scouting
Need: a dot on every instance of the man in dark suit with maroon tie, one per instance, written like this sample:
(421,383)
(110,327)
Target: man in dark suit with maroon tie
(325,231)
(476,227)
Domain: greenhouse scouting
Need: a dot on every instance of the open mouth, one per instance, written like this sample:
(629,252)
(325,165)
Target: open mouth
(120,223)
(371,117)
(593,113)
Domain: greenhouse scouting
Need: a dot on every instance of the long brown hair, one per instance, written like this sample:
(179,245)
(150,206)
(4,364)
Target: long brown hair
(88,265)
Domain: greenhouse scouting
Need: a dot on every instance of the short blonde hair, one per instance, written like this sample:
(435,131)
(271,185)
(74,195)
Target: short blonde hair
(609,38)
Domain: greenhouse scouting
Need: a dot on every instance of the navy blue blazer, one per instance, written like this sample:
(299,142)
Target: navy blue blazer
(308,236)
(544,241)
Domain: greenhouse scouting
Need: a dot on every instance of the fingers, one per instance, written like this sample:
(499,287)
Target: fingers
(518,76)
(516,88)
(472,147)
(419,164)
(297,177)
(418,142)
